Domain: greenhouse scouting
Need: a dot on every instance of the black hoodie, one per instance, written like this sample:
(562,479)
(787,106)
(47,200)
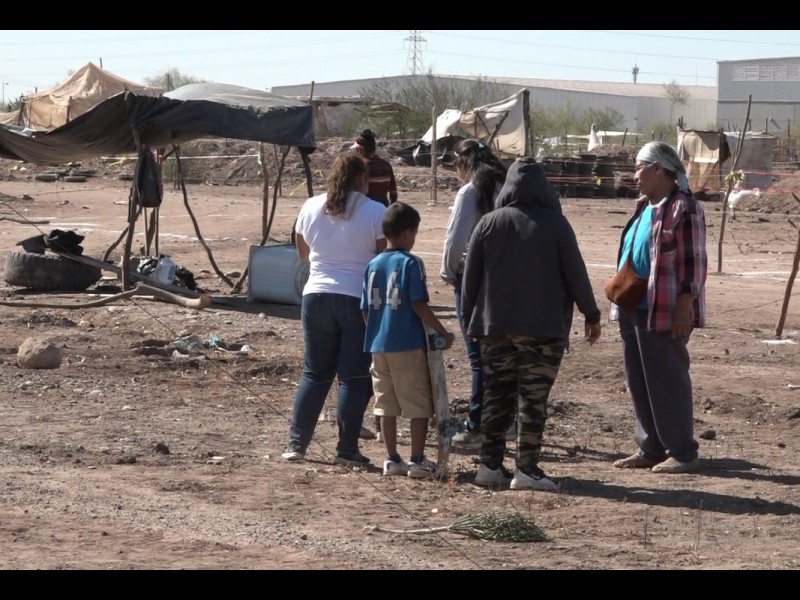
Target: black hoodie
(523,261)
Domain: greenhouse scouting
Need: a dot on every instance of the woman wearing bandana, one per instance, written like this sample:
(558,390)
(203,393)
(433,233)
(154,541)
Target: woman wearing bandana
(666,239)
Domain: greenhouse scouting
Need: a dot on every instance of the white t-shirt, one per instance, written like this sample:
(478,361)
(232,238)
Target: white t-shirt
(340,248)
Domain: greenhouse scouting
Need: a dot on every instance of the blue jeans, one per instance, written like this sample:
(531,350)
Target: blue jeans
(473,348)
(333,333)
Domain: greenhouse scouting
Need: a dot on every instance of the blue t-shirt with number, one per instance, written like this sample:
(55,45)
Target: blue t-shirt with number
(393,281)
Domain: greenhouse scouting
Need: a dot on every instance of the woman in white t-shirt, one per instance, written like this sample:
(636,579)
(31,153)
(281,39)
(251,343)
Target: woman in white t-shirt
(338,233)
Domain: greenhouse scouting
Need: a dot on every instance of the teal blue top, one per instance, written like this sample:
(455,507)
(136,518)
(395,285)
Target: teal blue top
(640,258)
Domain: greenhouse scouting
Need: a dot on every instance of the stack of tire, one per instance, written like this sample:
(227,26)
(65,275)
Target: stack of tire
(48,272)
(72,175)
(603,173)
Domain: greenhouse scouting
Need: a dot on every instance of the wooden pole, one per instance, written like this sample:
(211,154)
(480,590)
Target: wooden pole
(731,182)
(530,150)
(790,282)
(304,155)
(133,214)
(309,175)
(434,152)
(262,158)
(240,283)
(194,222)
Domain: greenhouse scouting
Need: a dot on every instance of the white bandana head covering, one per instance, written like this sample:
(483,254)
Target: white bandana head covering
(663,153)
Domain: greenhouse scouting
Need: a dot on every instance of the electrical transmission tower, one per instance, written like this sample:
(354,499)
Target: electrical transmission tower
(414,65)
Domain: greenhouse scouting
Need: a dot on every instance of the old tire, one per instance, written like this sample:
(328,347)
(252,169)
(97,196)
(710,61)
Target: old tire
(48,272)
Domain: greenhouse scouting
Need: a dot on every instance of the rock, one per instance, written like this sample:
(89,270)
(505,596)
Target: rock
(708,434)
(37,353)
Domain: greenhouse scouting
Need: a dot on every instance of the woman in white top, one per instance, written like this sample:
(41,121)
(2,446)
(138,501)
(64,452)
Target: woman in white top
(483,175)
(338,233)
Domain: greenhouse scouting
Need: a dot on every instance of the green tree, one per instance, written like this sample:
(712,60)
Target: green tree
(677,95)
(172,79)
(565,118)
(607,119)
(419,95)
(664,132)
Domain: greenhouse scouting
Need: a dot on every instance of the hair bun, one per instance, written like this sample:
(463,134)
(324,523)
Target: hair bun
(367,133)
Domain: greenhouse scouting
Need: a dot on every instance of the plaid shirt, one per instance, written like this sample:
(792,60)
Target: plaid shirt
(678,259)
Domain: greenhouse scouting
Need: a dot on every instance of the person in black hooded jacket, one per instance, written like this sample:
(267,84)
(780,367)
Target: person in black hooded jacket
(523,264)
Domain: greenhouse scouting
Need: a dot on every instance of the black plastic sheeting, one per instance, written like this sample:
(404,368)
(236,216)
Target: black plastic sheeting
(190,112)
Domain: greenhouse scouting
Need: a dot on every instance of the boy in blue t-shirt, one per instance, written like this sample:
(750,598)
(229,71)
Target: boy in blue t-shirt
(394,300)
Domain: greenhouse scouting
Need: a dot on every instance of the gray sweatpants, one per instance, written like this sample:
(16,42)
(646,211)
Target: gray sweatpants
(657,372)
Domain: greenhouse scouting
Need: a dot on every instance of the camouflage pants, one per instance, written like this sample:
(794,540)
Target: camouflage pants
(518,374)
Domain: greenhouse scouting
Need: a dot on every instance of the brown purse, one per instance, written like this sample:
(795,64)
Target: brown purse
(626,289)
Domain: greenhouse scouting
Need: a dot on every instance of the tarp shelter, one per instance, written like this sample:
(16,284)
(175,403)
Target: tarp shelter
(130,122)
(503,125)
(190,112)
(81,91)
(702,154)
(708,158)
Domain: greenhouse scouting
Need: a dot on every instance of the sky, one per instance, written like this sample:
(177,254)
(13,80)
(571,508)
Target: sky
(35,60)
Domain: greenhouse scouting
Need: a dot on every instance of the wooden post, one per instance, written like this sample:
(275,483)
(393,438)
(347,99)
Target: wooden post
(194,221)
(262,158)
(530,149)
(434,151)
(237,287)
(736,156)
(133,214)
(790,283)
(309,175)
(304,156)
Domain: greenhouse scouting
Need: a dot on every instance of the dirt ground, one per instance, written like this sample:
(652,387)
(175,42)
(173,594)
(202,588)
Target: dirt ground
(132,457)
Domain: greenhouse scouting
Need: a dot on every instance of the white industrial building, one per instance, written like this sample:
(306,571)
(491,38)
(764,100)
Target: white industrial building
(643,105)
(774,86)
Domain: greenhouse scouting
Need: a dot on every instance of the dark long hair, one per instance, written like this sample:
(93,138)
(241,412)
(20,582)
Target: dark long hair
(483,168)
(347,167)
(367,141)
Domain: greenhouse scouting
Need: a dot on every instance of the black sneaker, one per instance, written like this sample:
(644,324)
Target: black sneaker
(351,460)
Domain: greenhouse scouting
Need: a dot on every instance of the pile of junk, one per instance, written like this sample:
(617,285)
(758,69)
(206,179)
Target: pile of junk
(55,262)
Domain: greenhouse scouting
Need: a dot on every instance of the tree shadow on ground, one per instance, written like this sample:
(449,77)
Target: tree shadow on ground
(690,499)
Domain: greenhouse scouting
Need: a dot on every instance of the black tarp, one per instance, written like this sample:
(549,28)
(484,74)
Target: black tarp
(190,112)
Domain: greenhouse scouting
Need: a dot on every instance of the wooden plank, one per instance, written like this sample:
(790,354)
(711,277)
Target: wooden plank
(176,289)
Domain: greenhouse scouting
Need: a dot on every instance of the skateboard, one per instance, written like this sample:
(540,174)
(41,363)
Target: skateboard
(446,425)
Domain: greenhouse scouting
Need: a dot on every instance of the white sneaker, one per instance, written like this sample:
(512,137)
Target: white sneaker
(492,477)
(293,455)
(395,468)
(379,437)
(537,480)
(424,470)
